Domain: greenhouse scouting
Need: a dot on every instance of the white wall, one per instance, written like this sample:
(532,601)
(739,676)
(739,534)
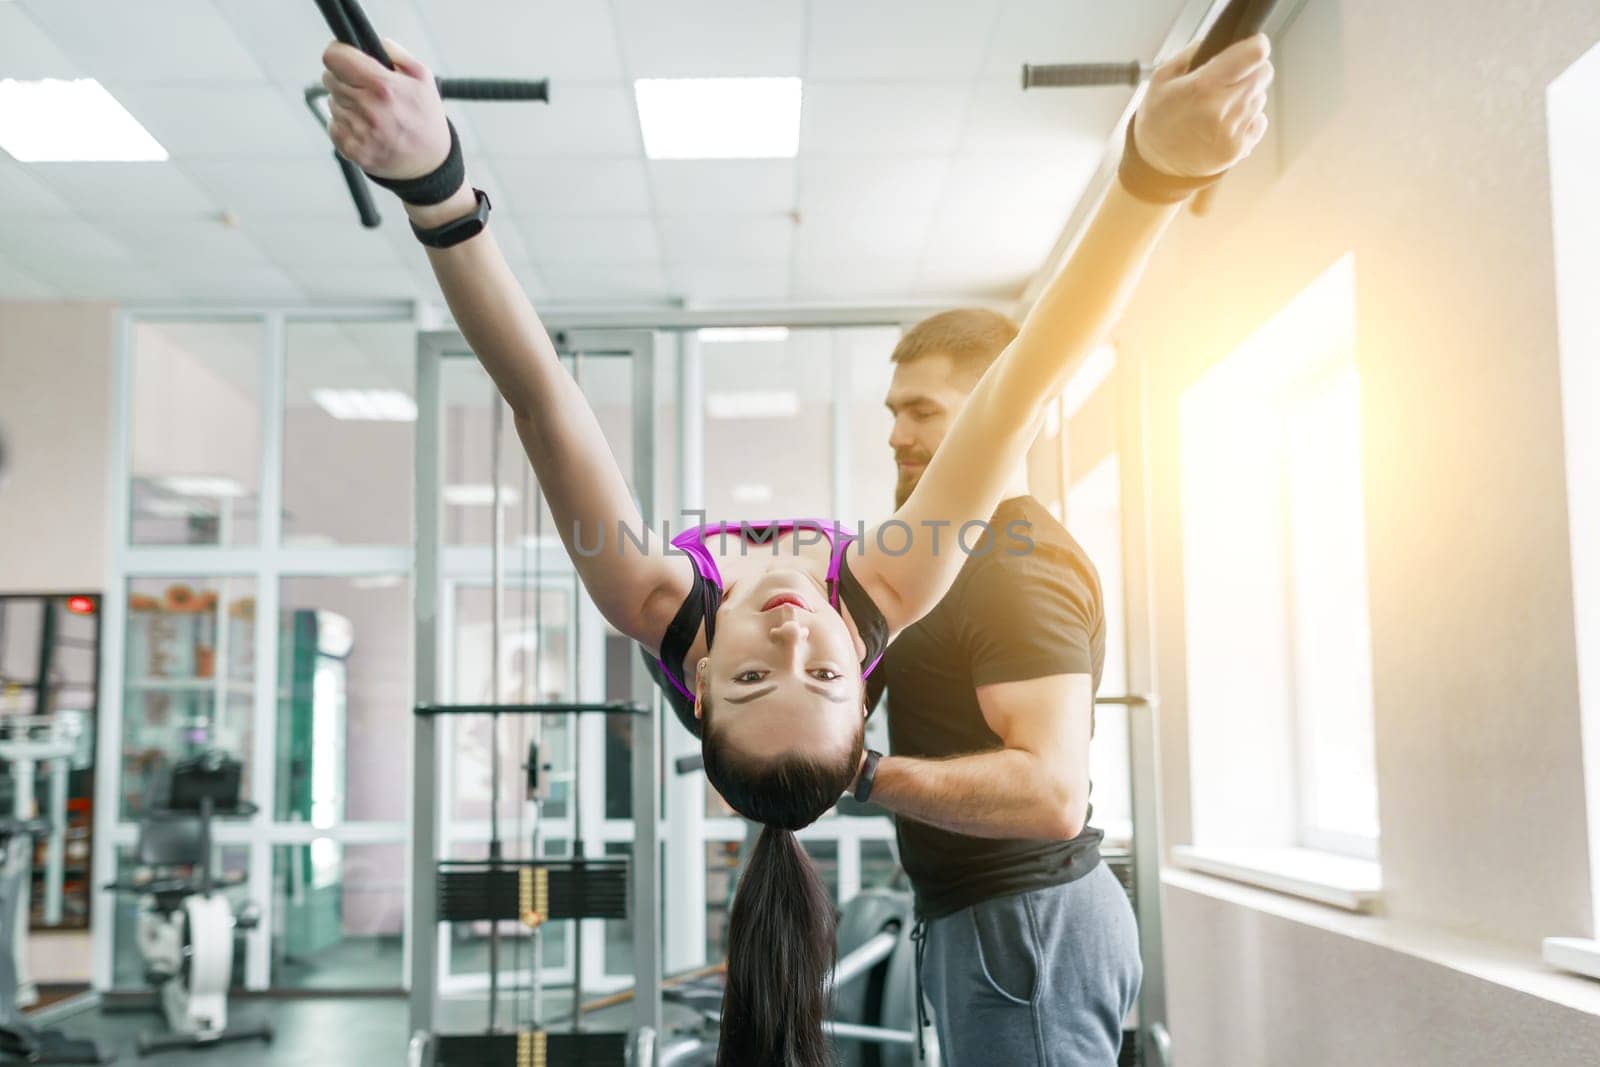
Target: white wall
(55,415)
(1414,136)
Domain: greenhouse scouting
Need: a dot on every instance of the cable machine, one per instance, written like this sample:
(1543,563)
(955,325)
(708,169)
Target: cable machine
(500,887)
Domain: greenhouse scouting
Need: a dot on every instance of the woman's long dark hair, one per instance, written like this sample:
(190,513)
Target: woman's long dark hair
(780,932)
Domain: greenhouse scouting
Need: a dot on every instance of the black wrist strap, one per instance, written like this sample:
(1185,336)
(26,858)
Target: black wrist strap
(435,187)
(1154,186)
(868,776)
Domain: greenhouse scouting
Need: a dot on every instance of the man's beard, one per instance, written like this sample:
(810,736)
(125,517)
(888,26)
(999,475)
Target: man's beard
(906,480)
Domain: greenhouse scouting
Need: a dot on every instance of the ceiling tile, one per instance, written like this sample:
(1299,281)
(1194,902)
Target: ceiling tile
(881,120)
(150,42)
(855,277)
(1076,31)
(280,188)
(24,194)
(725,238)
(559,240)
(580,120)
(50,243)
(730,282)
(294,243)
(865,186)
(898,40)
(288,38)
(604,282)
(832,235)
(17,284)
(90,279)
(583,186)
(226,120)
(712,38)
(329,284)
(101,189)
(175,239)
(1005,119)
(989,254)
(1040,190)
(564,40)
(26,51)
(743,186)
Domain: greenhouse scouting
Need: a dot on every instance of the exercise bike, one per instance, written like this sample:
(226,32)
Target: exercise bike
(21,1042)
(186,925)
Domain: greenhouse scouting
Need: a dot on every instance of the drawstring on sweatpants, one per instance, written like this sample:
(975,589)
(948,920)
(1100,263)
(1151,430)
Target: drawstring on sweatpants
(919,937)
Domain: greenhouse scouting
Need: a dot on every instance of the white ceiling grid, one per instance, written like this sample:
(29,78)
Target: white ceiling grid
(924,172)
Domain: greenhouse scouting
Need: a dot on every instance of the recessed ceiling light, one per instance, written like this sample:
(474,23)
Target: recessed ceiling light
(753,405)
(366,405)
(202,485)
(477,496)
(57,121)
(719,118)
(713,335)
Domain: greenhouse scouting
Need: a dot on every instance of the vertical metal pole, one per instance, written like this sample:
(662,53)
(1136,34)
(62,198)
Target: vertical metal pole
(56,851)
(422,935)
(646,761)
(1144,738)
(685,863)
(497,588)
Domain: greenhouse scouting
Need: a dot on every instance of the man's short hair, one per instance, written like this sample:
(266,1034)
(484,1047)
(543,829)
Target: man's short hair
(972,337)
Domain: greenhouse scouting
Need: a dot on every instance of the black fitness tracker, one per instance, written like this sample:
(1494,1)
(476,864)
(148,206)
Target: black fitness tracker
(868,775)
(457,230)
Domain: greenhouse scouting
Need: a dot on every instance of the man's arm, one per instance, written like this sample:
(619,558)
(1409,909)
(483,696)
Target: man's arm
(1035,786)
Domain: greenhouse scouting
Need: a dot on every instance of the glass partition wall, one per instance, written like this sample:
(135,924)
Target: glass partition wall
(260,602)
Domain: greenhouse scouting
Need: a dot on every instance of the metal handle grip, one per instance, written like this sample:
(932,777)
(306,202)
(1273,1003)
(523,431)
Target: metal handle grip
(494,89)
(1240,19)
(350,25)
(356,182)
(1071,75)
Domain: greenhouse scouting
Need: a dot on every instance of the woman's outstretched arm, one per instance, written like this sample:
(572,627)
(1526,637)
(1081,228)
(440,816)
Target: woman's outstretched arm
(392,123)
(1190,125)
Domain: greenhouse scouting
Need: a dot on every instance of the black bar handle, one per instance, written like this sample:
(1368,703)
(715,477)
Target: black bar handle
(689,764)
(494,89)
(1070,75)
(1240,19)
(350,25)
(359,192)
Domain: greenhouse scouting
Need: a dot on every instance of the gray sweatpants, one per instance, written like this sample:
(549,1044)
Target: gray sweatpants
(1043,978)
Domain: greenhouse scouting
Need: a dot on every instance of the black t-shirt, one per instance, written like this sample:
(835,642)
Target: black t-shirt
(1029,607)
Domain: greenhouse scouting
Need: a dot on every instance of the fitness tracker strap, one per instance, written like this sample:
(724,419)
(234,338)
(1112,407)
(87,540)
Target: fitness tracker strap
(869,775)
(438,185)
(1154,186)
(457,230)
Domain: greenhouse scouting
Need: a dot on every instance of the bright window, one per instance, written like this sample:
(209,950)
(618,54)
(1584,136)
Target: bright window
(1275,579)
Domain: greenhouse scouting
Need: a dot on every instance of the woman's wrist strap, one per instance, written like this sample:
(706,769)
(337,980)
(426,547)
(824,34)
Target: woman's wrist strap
(438,185)
(1145,182)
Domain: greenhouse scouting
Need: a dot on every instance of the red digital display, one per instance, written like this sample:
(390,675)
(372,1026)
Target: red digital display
(80,605)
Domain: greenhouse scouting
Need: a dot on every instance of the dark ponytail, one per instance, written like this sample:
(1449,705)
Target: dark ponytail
(780,950)
(780,931)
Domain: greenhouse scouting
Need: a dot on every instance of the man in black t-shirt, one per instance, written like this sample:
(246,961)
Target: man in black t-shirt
(1031,952)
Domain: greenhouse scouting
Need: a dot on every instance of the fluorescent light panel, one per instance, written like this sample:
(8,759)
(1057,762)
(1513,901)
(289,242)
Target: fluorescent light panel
(202,485)
(721,335)
(57,121)
(477,496)
(757,404)
(719,118)
(366,405)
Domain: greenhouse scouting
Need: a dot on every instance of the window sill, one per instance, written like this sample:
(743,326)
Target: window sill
(1338,881)
(1576,954)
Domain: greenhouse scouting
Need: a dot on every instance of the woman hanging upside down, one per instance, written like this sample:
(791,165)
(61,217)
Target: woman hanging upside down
(763,653)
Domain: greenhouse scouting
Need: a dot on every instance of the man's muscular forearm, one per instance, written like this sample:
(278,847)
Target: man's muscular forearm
(1003,793)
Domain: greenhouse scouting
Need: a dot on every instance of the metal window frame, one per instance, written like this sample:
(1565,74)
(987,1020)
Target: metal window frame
(267,563)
